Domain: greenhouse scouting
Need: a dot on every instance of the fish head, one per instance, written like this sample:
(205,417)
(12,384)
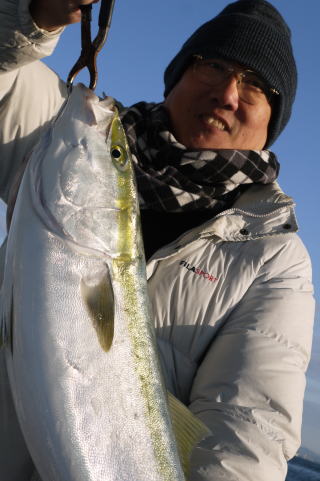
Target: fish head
(87,185)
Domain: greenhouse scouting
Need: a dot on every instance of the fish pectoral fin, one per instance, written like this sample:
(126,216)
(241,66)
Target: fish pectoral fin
(188,430)
(97,293)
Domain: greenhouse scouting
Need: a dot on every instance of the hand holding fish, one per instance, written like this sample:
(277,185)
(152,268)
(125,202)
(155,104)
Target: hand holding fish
(53,14)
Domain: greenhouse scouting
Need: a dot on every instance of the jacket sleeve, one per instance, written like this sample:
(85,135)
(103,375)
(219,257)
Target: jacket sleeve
(249,388)
(30,93)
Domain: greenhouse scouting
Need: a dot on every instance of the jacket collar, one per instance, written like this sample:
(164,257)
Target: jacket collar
(262,197)
(261,211)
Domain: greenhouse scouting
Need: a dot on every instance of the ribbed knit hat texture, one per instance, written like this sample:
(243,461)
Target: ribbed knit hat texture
(254,34)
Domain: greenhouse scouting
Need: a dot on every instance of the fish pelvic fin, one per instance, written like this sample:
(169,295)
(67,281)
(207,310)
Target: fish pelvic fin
(188,430)
(97,294)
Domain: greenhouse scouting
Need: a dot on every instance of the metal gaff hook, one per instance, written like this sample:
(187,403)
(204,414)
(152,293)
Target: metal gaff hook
(90,49)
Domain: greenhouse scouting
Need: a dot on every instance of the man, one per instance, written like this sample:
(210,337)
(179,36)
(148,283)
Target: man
(229,279)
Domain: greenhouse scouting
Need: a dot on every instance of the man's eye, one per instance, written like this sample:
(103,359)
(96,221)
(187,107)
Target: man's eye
(216,66)
(254,83)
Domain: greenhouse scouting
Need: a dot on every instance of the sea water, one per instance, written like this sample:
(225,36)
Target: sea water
(303,470)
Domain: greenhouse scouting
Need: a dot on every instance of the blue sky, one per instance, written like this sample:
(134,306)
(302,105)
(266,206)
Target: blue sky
(144,37)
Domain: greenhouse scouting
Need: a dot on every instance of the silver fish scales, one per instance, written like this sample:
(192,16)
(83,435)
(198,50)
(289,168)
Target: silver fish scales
(77,326)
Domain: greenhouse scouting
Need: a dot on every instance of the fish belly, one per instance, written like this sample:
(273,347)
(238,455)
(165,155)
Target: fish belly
(81,409)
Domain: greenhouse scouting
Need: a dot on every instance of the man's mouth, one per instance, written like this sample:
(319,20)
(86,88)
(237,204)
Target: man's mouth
(212,121)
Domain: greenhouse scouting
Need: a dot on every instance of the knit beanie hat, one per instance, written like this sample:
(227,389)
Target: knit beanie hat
(254,34)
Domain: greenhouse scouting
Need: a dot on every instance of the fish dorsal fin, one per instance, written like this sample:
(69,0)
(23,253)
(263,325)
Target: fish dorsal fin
(188,430)
(98,296)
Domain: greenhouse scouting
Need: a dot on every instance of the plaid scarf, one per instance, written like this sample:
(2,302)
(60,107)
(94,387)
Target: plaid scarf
(172,178)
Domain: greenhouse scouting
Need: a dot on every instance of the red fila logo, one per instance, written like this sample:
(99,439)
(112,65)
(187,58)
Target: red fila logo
(198,271)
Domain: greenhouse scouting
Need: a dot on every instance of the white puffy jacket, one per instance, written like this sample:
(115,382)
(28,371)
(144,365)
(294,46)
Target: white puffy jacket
(232,298)
(233,306)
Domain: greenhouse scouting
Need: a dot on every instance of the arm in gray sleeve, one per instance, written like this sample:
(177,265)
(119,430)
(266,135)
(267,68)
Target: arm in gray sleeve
(21,41)
(30,93)
(249,388)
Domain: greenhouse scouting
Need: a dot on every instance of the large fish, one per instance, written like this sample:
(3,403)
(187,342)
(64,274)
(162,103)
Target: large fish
(77,327)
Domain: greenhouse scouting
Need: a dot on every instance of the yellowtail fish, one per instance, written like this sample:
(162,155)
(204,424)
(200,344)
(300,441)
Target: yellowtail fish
(77,325)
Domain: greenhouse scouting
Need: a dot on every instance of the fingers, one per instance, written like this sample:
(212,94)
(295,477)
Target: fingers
(74,13)
(84,2)
(87,2)
(53,14)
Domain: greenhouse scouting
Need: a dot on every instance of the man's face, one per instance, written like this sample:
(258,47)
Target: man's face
(215,117)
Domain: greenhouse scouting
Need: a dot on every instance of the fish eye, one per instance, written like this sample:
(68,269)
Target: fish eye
(119,156)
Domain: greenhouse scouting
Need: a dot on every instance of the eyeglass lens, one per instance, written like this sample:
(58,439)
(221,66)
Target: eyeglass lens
(213,72)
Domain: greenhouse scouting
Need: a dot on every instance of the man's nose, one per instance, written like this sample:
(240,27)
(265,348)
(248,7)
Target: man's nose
(226,94)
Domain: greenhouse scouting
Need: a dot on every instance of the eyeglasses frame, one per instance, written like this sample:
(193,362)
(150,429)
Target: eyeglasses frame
(240,70)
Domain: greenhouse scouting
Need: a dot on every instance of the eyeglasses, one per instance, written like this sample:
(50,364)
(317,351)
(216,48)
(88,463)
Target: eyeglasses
(251,88)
